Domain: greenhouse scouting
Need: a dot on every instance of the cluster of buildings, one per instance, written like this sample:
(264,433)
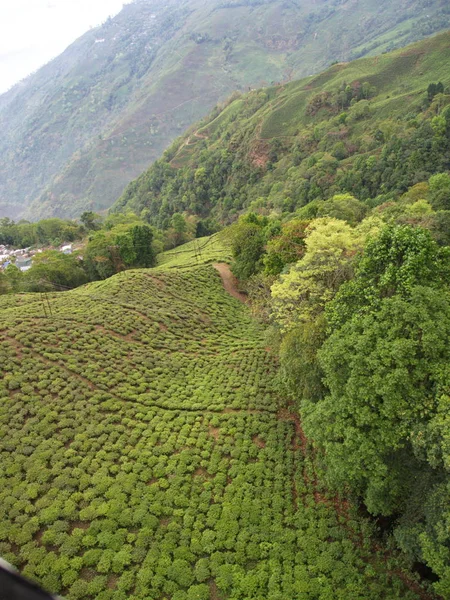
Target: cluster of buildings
(23,257)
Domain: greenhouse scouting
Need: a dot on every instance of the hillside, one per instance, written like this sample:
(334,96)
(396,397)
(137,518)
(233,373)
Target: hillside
(146,451)
(79,129)
(372,127)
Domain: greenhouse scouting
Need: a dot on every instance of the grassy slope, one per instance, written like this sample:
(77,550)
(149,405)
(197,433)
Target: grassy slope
(204,250)
(76,132)
(144,448)
(249,126)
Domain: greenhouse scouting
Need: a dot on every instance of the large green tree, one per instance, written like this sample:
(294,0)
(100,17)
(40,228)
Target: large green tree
(142,238)
(383,371)
(396,261)
(53,270)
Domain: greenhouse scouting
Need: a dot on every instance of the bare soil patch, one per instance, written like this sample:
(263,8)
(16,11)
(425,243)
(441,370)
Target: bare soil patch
(230,282)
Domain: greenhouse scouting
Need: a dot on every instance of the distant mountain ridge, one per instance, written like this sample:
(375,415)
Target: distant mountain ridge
(371,128)
(79,129)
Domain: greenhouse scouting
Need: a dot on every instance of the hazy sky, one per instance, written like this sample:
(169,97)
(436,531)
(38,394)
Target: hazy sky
(34,31)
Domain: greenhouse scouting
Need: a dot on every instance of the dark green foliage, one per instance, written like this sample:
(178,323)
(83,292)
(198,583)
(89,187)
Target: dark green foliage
(434,89)
(247,244)
(300,368)
(100,257)
(123,246)
(440,191)
(91,220)
(383,371)
(142,237)
(380,426)
(285,247)
(48,231)
(401,258)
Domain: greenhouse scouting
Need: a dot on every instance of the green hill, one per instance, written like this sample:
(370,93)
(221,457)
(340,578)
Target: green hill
(372,127)
(146,453)
(77,131)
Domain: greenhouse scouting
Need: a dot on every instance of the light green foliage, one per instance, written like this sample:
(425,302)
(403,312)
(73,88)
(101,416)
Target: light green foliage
(215,248)
(302,293)
(146,452)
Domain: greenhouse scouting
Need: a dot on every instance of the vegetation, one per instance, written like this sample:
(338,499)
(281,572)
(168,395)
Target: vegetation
(370,129)
(361,320)
(45,232)
(157,442)
(119,242)
(147,453)
(110,104)
(203,250)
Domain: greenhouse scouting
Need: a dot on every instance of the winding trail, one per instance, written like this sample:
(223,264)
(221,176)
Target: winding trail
(229,281)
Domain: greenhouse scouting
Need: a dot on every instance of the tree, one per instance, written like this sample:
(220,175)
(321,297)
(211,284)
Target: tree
(14,278)
(301,294)
(299,366)
(91,220)
(434,89)
(177,233)
(440,191)
(343,206)
(98,259)
(383,371)
(286,248)
(54,270)
(142,238)
(399,259)
(4,285)
(247,238)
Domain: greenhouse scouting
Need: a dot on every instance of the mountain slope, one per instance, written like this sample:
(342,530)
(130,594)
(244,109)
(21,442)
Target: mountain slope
(77,131)
(146,452)
(370,127)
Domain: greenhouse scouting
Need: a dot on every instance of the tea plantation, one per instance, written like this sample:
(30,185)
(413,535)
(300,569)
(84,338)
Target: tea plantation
(146,453)
(202,250)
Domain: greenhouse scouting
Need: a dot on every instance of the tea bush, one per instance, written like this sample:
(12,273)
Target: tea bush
(146,453)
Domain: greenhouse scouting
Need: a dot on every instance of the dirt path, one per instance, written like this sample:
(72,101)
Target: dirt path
(229,281)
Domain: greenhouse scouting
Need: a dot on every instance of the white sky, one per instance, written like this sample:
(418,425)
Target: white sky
(32,32)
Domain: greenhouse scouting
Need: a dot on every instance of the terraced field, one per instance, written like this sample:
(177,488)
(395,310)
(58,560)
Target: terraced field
(146,453)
